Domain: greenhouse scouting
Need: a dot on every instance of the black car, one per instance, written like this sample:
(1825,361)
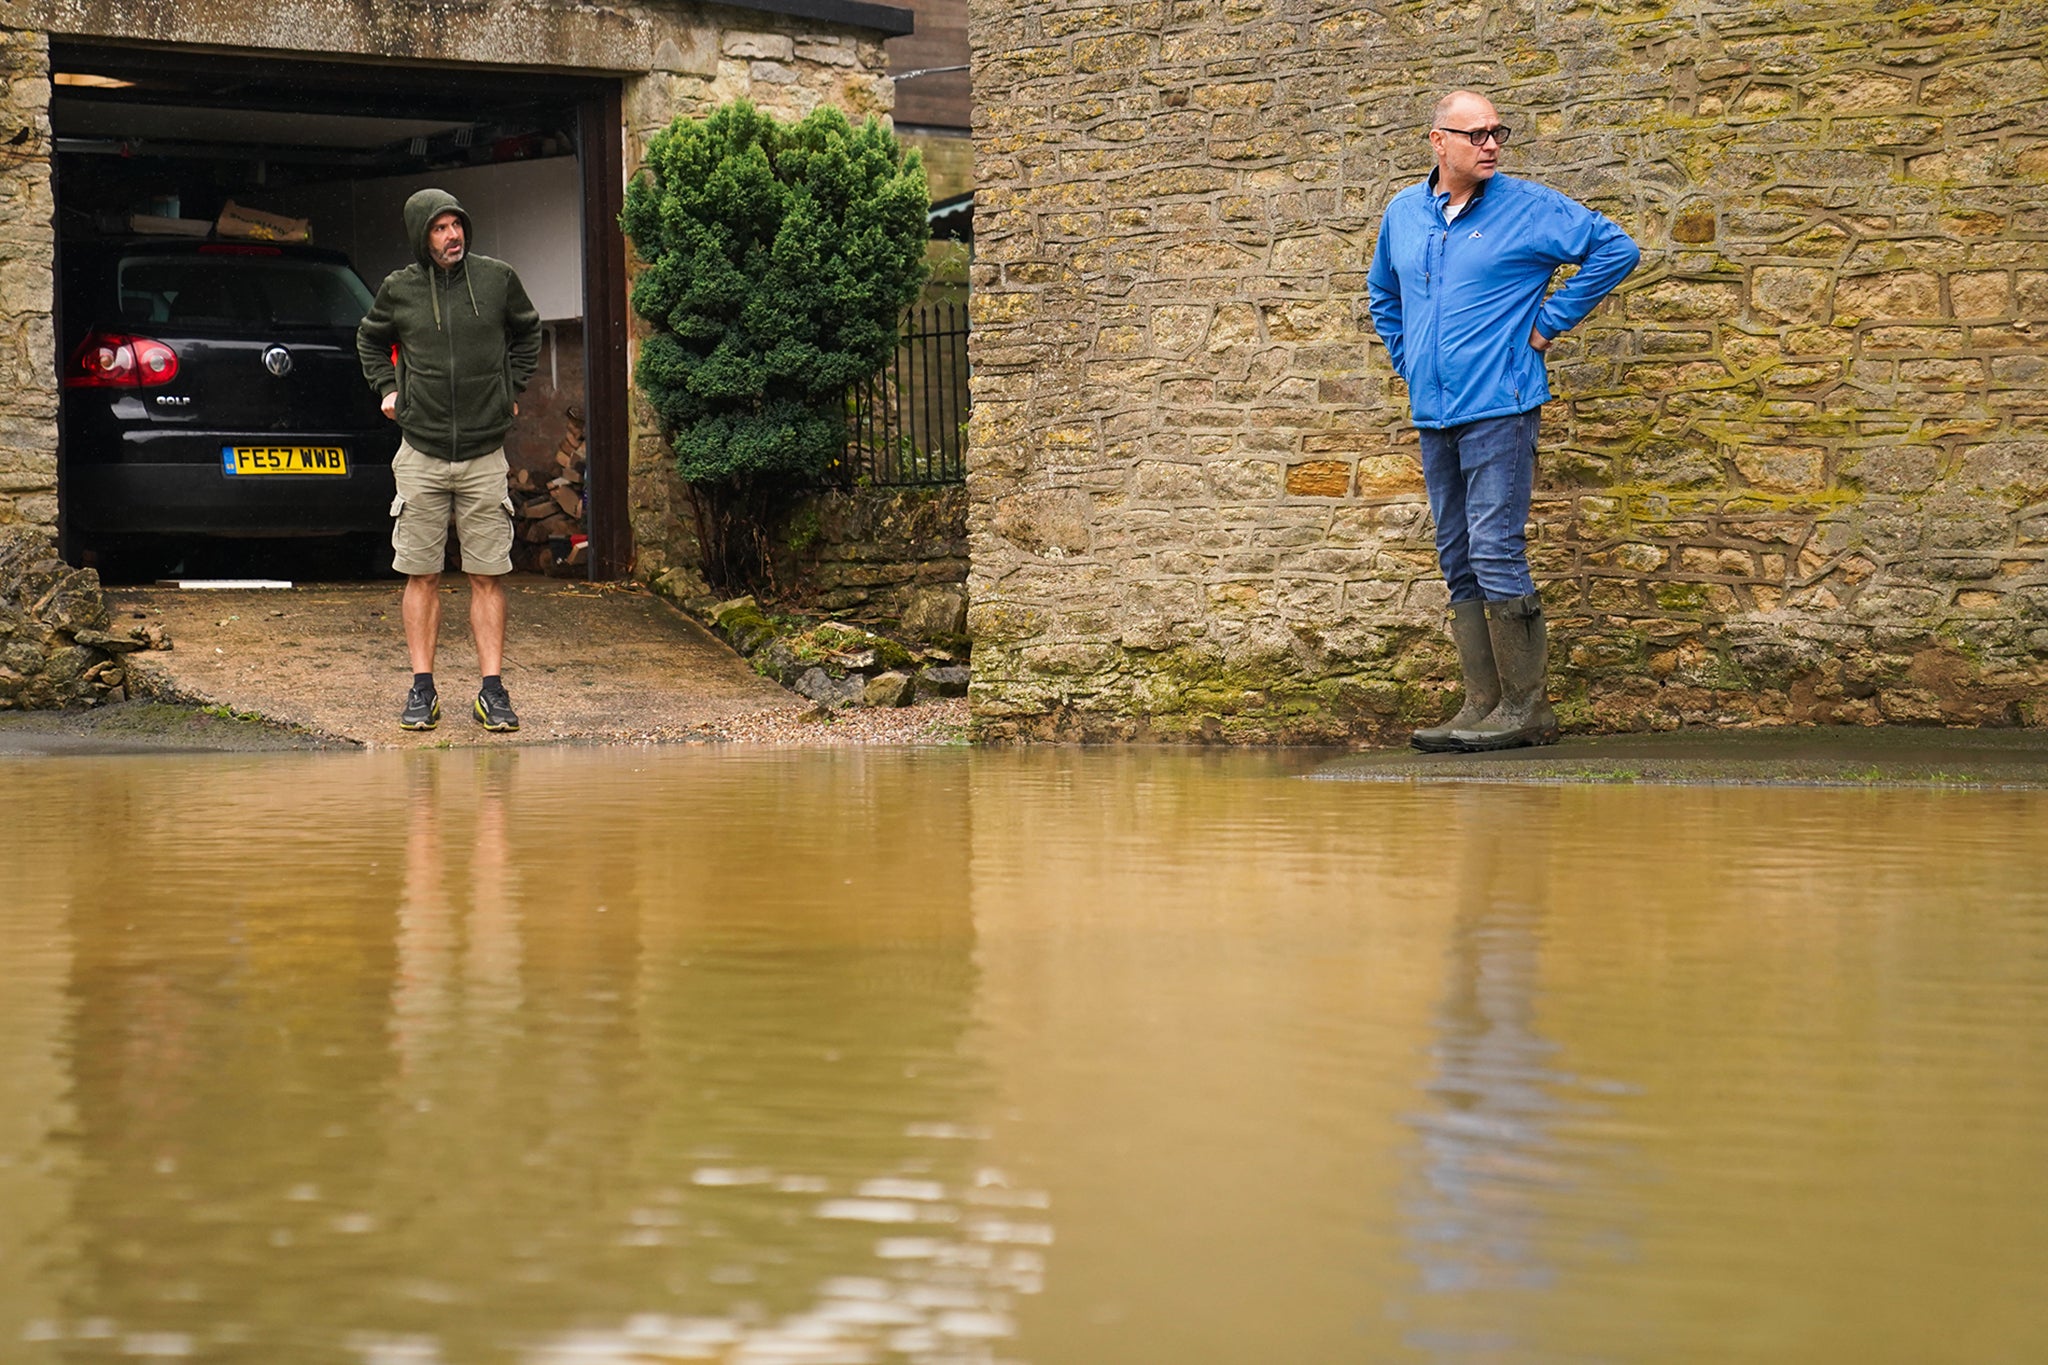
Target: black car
(212,390)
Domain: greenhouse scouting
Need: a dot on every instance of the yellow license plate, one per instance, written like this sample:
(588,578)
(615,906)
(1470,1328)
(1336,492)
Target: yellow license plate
(283,460)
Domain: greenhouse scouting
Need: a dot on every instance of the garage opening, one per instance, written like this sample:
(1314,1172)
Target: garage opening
(221,222)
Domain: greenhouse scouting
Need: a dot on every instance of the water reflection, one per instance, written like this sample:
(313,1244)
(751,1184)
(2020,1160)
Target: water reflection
(539,1057)
(1491,1155)
(463,1062)
(1487,1140)
(458,939)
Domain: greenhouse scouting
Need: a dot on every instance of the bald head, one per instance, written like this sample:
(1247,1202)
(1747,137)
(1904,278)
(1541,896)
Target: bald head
(1456,108)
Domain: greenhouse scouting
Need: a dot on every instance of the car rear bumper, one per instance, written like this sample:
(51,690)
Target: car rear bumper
(184,497)
(197,499)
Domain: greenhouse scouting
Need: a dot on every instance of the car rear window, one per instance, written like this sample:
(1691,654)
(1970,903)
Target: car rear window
(265,291)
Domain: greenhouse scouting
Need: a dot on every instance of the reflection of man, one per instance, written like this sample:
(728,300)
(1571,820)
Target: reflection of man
(449,343)
(1481,1225)
(1458,295)
(459,944)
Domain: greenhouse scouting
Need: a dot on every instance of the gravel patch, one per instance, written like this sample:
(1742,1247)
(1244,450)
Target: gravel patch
(586,664)
(141,727)
(942,721)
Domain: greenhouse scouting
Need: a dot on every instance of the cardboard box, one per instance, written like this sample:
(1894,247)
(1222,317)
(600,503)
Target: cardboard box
(256,225)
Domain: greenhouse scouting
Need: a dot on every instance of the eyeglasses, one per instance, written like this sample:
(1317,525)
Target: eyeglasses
(1499,133)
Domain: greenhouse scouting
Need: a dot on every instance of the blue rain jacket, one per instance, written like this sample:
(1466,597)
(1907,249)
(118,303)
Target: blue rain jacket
(1454,302)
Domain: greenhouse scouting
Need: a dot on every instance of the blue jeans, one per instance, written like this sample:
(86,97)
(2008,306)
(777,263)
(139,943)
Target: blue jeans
(1480,477)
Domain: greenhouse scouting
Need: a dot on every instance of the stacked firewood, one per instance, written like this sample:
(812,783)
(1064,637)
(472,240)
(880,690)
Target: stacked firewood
(552,527)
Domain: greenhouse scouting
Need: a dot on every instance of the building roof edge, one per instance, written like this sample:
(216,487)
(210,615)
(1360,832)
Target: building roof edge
(889,20)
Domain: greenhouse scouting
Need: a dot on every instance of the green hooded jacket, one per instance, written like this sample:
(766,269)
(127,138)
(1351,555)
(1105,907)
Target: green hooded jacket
(467,341)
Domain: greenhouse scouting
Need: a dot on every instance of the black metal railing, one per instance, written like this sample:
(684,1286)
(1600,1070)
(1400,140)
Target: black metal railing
(908,424)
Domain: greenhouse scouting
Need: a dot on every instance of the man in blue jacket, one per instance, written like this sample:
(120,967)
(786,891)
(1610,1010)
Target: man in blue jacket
(1459,288)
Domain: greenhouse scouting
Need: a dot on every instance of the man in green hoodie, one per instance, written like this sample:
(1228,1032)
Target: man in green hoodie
(449,344)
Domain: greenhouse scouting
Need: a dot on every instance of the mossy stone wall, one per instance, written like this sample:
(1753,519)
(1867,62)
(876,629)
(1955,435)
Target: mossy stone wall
(1796,469)
(871,552)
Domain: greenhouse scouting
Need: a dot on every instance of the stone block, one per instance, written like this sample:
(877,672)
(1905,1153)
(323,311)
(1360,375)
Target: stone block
(1782,469)
(827,51)
(1819,342)
(935,613)
(1983,85)
(1179,328)
(1941,372)
(759,46)
(1684,300)
(1167,481)
(821,687)
(1694,223)
(1899,468)
(948,680)
(1044,521)
(1790,293)
(889,689)
(1899,295)
(1245,481)
(1309,320)
(2016,471)
(1858,92)
(1069,658)
(1319,479)
(1312,254)
(2031,293)
(691,51)
(1634,556)
(1392,475)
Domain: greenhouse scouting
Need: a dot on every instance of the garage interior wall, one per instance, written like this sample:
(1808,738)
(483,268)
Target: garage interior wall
(526,213)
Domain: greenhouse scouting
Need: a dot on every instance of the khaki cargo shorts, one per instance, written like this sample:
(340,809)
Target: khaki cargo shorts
(431,493)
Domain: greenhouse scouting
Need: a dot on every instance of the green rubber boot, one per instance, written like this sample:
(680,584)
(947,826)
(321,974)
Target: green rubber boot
(1521,649)
(1482,680)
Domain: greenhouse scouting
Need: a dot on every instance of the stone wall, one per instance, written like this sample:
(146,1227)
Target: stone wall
(674,58)
(1797,469)
(28,339)
(58,647)
(875,552)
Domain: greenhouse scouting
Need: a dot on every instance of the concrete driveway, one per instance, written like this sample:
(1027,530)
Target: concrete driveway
(584,662)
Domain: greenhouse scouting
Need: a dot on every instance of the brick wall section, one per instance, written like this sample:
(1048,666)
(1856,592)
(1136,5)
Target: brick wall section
(1797,470)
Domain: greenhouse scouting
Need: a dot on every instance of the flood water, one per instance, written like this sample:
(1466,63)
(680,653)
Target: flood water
(1052,1057)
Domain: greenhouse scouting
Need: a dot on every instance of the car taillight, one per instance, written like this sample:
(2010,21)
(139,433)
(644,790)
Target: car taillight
(108,360)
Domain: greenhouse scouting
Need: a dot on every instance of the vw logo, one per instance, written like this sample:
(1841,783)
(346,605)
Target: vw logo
(278,361)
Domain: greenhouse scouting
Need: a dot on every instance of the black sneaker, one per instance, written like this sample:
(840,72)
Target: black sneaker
(494,711)
(422,710)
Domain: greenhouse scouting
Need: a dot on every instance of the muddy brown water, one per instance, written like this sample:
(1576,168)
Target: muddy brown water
(1060,1057)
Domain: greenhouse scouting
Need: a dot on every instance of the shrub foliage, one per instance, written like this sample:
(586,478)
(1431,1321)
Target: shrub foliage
(777,259)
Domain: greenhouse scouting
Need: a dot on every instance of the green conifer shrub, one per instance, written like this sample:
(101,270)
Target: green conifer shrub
(777,260)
